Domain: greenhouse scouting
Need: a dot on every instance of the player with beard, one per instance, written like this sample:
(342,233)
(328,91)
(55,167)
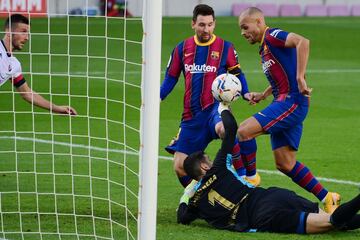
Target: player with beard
(201,58)
(15,37)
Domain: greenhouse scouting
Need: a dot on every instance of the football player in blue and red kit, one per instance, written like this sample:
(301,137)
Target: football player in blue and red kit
(284,57)
(201,58)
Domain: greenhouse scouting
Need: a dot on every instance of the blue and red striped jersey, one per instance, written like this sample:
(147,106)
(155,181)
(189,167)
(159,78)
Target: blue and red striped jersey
(200,63)
(279,64)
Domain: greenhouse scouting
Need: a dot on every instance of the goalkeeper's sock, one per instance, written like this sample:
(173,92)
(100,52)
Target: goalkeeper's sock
(248,155)
(344,217)
(237,161)
(185,180)
(302,176)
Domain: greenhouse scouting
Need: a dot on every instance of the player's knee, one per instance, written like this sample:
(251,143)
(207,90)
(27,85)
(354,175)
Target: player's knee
(179,166)
(242,133)
(220,130)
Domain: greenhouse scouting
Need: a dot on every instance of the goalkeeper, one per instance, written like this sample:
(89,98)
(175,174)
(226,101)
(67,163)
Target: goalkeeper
(226,201)
(15,37)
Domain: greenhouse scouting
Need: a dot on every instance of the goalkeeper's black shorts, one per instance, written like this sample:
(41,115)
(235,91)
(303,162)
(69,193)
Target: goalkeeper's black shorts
(278,210)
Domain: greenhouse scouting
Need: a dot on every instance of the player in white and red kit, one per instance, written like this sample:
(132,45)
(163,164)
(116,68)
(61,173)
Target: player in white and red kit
(16,35)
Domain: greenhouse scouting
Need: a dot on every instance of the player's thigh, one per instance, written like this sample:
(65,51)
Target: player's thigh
(281,210)
(249,129)
(179,159)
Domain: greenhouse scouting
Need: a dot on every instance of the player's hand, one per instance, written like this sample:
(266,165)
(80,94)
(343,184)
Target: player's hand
(248,97)
(65,110)
(189,191)
(303,88)
(223,106)
(256,97)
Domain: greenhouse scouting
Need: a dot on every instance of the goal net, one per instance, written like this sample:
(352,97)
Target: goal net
(84,176)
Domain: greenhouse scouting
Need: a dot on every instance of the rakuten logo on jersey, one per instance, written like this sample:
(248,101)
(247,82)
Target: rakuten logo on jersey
(266,65)
(199,68)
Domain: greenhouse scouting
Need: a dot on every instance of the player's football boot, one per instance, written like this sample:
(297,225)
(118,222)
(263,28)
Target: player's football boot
(332,201)
(254,181)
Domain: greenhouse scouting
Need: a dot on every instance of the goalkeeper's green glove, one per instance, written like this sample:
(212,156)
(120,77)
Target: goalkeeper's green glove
(189,191)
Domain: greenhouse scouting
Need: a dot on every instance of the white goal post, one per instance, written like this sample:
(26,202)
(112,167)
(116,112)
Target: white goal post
(150,119)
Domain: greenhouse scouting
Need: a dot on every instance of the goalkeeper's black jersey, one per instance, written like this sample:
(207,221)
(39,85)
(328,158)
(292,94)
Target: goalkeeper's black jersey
(220,192)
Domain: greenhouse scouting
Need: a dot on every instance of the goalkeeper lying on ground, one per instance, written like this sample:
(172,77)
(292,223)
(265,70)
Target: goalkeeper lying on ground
(226,201)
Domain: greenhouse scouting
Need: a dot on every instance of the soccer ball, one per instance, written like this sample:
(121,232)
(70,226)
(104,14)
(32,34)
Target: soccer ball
(226,88)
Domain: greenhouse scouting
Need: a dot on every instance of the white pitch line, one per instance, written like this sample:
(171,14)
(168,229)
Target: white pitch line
(270,172)
(324,71)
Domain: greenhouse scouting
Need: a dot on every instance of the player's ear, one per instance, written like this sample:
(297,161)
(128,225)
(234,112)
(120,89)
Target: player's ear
(192,24)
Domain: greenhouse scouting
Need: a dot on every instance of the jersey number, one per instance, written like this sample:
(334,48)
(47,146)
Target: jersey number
(214,196)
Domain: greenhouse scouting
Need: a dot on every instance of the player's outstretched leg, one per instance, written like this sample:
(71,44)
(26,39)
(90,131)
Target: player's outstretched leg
(285,158)
(302,176)
(345,217)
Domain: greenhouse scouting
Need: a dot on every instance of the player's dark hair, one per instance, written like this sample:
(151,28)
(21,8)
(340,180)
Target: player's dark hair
(203,10)
(15,19)
(192,164)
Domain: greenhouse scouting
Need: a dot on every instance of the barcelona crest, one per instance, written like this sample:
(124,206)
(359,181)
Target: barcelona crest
(215,55)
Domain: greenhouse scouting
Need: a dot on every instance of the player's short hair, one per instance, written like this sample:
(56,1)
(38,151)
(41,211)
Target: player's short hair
(203,10)
(252,10)
(15,19)
(192,164)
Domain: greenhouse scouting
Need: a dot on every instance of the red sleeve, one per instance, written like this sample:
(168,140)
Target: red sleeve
(232,59)
(18,81)
(175,64)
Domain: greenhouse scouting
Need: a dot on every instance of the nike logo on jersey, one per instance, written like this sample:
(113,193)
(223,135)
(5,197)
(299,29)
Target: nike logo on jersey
(188,54)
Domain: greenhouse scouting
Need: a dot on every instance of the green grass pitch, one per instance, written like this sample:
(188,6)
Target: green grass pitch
(329,146)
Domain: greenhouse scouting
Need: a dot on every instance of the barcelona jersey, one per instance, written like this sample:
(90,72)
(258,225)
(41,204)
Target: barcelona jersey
(200,63)
(279,65)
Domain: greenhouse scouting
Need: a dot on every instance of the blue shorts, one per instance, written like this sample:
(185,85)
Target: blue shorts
(195,134)
(283,120)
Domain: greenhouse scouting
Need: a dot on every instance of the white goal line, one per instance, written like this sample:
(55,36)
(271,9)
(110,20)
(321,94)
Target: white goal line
(83,74)
(270,172)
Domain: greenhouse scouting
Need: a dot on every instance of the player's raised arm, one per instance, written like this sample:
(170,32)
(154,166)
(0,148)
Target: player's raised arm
(230,126)
(302,46)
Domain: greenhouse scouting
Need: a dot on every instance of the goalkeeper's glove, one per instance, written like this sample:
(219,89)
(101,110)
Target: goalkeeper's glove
(189,191)
(223,106)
